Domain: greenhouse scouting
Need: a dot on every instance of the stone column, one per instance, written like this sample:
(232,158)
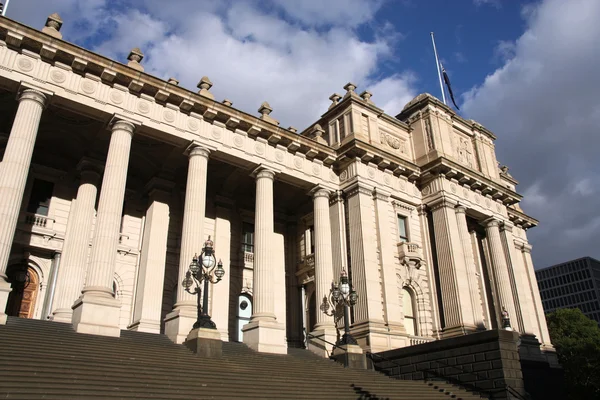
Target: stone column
(147,305)
(454,286)
(97,311)
(13,177)
(180,321)
(264,333)
(465,238)
(51,287)
(324,327)
(337,215)
(323,256)
(428,255)
(77,244)
(385,239)
(544,335)
(499,268)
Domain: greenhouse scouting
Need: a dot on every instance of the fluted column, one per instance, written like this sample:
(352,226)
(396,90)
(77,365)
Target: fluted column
(264,302)
(180,321)
(542,326)
(470,265)
(337,215)
(502,278)
(147,305)
(77,245)
(263,332)
(454,286)
(323,254)
(13,177)
(97,311)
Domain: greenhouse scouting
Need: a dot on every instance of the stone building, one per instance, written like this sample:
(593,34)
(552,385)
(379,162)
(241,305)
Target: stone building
(112,179)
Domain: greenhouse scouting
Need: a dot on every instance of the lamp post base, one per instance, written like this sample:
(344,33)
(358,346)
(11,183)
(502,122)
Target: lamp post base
(205,322)
(205,342)
(347,339)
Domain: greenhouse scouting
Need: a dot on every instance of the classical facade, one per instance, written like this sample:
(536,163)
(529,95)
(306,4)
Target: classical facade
(112,179)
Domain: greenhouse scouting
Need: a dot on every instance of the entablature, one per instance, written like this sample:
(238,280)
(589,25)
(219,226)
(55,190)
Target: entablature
(521,219)
(468,177)
(98,69)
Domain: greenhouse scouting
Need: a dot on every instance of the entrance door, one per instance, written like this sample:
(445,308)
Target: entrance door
(25,285)
(243,315)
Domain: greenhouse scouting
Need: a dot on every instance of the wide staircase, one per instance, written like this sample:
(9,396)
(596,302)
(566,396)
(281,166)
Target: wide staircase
(48,360)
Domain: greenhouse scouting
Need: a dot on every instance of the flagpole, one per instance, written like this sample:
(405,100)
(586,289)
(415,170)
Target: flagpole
(437,63)
(5,7)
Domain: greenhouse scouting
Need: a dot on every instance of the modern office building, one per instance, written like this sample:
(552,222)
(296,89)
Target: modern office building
(112,179)
(572,284)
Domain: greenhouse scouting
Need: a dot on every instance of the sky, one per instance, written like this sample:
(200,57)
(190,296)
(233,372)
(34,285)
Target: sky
(527,70)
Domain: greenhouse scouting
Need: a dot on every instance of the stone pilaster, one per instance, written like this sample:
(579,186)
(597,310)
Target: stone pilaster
(427,253)
(454,286)
(392,306)
(77,244)
(180,321)
(499,268)
(264,333)
(219,293)
(544,335)
(470,266)
(364,264)
(151,275)
(13,177)
(337,216)
(97,311)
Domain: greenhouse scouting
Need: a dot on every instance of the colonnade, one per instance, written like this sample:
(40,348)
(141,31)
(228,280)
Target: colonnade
(85,294)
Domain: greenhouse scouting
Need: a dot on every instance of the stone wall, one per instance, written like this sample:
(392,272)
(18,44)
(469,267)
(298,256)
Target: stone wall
(486,361)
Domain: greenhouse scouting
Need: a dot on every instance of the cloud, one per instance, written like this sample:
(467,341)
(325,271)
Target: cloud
(292,54)
(543,105)
(494,3)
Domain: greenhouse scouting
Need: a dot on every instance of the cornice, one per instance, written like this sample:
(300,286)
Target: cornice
(469,177)
(82,61)
(521,219)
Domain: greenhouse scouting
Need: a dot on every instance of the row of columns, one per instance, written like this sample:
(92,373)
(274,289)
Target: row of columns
(462,297)
(94,309)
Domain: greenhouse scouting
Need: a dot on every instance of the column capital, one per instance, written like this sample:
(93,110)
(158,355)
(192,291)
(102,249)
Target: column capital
(120,122)
(460,209)
(379,194)
(336,196)
(319,191)
(442,202)
(491,222)
(359,187)
(196,148)
(37,95)
(262,171)
(526,248)
(507,226)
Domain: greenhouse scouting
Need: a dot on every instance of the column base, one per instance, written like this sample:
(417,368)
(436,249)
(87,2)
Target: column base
(63,315)
(5,290)
(458,331)
(97,315)
(352,356)
(179,323)
(320,347)
(205,342)
(145,326)
(265,337)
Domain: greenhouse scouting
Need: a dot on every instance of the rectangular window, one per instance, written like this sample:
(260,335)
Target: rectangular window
(342,127)
(248,237)
(41,193)
(312,239)
(402,228)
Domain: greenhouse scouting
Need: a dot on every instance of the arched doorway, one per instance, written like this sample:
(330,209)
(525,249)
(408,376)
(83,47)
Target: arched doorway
(25,284)
(243,314)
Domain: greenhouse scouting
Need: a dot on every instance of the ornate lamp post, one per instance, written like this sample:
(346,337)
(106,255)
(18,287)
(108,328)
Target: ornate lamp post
(341,295)
(203,270)
(506,320)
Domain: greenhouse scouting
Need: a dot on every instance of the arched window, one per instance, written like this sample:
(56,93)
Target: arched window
(410,320)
